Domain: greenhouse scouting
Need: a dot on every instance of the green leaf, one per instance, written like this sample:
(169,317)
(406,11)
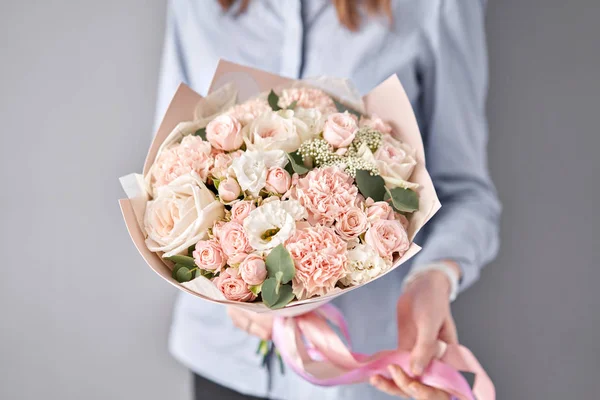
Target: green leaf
(292,105)
(273,100)
(285,296)
(280,265)
(216,183)
(201,132)
(182,273)
(296,163)
(403,200)
(184,260)
(255,289)
(269,292)
(342,108)
(191,250)
(372,186)
(204,273)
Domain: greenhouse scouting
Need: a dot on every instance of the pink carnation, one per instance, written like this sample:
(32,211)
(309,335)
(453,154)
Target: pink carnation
(192,154)
(320,257)
(248,111)
(241,209)
(307,98)
(231,284)
(326,193)
(233,241)
(387,237)
(209,256)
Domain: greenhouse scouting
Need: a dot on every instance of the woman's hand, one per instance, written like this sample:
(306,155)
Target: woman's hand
(259,325)
(425,326)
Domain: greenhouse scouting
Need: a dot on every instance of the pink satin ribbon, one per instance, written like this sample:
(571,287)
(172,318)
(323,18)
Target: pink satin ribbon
(309,346)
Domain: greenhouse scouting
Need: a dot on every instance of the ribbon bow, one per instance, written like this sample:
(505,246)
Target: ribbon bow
(310,346)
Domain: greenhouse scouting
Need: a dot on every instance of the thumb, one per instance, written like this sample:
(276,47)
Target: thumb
(425,348)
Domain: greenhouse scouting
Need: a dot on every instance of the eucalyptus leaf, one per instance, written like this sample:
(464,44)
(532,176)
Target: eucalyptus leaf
(204,273)
(269,292)
(184,260)
(296,163)
(201,132)
(403,200)
(191,249)
(342,108)
(285,296)
(372,186)
(273,100)
(182,273)
(280,265)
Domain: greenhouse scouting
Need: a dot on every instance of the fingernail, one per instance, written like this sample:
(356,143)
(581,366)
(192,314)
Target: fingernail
(417,368)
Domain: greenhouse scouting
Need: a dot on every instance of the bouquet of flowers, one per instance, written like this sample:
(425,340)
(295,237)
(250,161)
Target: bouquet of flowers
(276,196)
(284,200)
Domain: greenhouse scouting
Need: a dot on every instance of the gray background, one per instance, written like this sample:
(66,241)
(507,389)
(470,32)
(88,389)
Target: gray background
(83,318)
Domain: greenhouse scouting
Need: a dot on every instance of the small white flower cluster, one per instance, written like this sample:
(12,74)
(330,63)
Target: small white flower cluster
(321,154)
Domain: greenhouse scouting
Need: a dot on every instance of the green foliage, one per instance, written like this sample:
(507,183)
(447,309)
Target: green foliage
(183,260)
(403,200)
(342,108)
(201,132)
(273,100)
(372,186)
(296,164)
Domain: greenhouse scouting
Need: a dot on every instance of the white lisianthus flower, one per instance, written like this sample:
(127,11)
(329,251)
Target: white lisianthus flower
(364,264)
(180,215)
(276,131)
(273,223)
(251,168)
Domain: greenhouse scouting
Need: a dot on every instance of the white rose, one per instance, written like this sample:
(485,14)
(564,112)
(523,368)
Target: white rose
(364,264)
(314,120)
(275,131)
(251,168)
(273,223)
(180,215)
(396,162)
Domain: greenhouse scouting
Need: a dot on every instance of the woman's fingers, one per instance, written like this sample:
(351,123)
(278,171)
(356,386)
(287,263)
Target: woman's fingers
(387,386)
(253,323)
(425,348)
(424,392)
(448,333)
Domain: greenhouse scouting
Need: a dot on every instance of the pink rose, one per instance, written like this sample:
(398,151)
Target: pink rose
(340,129)
(224,133)
(233,241)
(209,256)
(229,190)
(278,180)
(222,162)
(320,258)
(387,237)
(396,162)
(192,154)
(403,220)
(231,284)
(351,224)
(241,209)
(253,270)
(374,122)
(307,98)
(326,194)
(378,210)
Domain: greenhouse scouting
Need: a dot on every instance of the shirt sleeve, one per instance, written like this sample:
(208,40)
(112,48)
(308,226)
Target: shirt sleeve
(172,67)
(454,83)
